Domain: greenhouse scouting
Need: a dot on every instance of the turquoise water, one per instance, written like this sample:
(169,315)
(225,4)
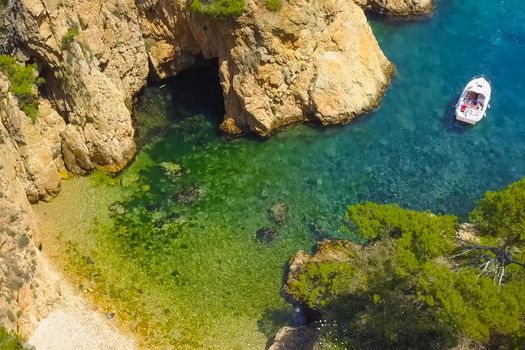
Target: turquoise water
(183,262)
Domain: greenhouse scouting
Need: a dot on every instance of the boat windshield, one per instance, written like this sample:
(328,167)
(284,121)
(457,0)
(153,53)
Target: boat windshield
(474,100)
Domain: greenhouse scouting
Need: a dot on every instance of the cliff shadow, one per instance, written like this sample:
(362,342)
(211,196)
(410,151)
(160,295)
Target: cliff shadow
(197,90)
(163,104)
(376,15)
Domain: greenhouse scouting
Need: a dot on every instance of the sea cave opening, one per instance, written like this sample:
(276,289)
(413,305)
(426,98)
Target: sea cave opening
(192,92)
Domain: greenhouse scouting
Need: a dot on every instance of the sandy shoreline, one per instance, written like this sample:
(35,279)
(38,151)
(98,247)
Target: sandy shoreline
(61,318)
(73,323)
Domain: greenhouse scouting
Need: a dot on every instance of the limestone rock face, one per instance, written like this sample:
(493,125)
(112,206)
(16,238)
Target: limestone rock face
(94,60)
(24,291)
(398,7)
(309,61)
(169,41)
(34,148)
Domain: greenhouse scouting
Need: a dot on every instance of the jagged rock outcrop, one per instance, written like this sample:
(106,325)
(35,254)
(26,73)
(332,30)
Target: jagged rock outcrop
(338,252)
(24,288)
(34,148)
(398,7)
(325,250)
(94,60)
(309,61)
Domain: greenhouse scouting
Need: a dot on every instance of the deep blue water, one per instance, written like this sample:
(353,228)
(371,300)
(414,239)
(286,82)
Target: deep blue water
(416,153)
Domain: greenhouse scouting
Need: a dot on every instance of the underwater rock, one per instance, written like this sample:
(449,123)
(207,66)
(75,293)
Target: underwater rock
(187,195)
(171,170)
(278,212)
(298,338)
(398,7)
(153,207)
(117,208)
(266,235)
(160,222)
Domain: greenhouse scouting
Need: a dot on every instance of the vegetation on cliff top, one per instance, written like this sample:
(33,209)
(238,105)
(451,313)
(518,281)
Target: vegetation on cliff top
(218,8)
(23,83)
(414,281)
(501,215)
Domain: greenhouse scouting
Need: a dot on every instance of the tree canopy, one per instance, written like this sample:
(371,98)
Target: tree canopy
(502,214)
(408,286)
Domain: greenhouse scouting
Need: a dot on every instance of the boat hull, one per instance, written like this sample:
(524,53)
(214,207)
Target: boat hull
(462,117)
(474,101)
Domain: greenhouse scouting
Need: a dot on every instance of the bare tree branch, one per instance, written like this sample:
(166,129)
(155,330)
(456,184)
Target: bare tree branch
(492,264)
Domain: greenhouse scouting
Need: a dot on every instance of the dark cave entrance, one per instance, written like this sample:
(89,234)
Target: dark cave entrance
(194,91)
(198,89)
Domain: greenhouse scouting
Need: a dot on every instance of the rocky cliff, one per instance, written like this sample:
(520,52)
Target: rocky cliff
(24,289)
(33,149)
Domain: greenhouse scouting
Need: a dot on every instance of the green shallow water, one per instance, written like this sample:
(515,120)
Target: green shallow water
(193,275)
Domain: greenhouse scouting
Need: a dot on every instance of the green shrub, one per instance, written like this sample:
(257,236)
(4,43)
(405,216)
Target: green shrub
(274,5)
(23,84)
(502,214)
(320,282)
(218,8)
(9,341)
(70,35)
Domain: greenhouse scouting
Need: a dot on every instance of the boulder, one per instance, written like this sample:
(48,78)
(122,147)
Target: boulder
(302,267)
(278,212)
(295,338)
(266,235)
(398,7)
(187,195)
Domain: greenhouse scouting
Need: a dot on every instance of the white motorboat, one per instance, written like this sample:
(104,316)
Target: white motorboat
(474,101)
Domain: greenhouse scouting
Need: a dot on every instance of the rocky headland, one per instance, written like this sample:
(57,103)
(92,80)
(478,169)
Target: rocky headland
(312,61)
